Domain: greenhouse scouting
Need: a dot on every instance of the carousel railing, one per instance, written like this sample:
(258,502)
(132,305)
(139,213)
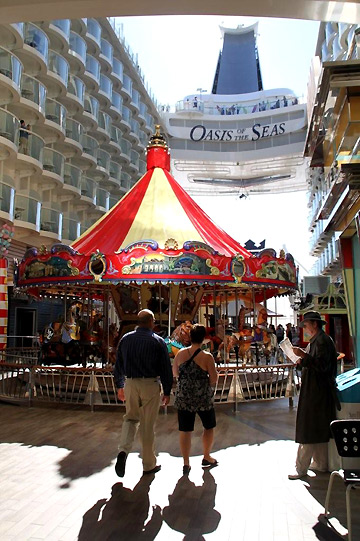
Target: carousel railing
(96,387)
(19,353)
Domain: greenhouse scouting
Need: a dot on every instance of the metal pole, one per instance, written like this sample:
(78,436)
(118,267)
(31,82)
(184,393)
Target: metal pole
(254,307)
(169,320)
(160,312)
(65,304)
(236,310)
(107,323)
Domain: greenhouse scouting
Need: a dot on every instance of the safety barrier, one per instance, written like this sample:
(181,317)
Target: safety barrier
(20,355)
(26,383)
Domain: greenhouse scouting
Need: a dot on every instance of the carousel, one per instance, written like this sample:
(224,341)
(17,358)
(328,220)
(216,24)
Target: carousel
(156,249)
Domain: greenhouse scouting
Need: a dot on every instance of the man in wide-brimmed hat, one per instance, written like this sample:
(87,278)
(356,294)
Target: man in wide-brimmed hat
(317,400)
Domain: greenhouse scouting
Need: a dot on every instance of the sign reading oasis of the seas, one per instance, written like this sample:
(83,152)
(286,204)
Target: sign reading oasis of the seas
(257,131)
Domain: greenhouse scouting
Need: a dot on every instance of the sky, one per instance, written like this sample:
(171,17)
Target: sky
(178,55)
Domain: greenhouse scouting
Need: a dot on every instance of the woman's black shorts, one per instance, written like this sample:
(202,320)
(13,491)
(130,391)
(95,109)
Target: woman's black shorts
(186,419)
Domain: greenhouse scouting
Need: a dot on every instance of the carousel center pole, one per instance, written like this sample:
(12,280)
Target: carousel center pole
(169,319)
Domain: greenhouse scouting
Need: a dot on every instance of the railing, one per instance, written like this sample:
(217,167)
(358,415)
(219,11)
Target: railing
(106,49)
(9,126)
(93,66)
(135,98)
(10,66)
(94,30)
(7,197)
(135,126)
(103,159)
(63,25)
(142,167)
(72,176)
(105,85)
(31,384)
(126,114)
(70,229)
(91,105)
(127,84)
(51,221)
(77,45)
(55,112)
(143,109)
(115,135)
(33,90)
(74,130)
(27,209)
(88,187)
(125,147)
(90,145)
(104,121)
(54,161)
(58,65)
(196,105)
(31,144)
(117,101)
(102,198)
(134,158)
(112,201)
(118,69)
(125,180)
(36,38)
(115,171)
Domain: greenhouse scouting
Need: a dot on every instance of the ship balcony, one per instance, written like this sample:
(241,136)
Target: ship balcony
(113,200)
(10,77)
(106,56)
(126,181)
(116,106)
(76,54)
(135,102)
(32,103)
(12,35)
(142,167)
(126,89)
(125,122)
(72,179)
(88,193)
(75,96)
(195,107)
(102,133)
(90,151)
(58,31)
(103,165)
(134,161)
(91,75)
(30,156)
(143,141)
(134,131)
(142,114)
(102,200)
(93,36)
(125,151)
(50,223)
(53,169)
(115,140)
(7,198)
(53,129)
(9,136)
(150,124)
(89,116)
(35,52)
(71,147)
(114,180)
(56,78)
(26,215)
(70,230)
(105,91)
(79,25)
(117,74)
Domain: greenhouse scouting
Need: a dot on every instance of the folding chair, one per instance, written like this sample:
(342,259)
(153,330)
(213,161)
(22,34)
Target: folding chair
(347,440)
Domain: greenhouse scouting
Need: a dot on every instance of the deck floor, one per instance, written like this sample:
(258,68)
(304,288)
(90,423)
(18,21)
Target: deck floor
(58,480)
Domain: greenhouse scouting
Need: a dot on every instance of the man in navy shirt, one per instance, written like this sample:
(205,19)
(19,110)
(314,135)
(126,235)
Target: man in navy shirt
(142,358)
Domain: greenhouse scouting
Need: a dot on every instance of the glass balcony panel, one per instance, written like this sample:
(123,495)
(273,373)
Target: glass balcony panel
(117,101)
(102,198)
(57,64)
(125,180)
(91,105)
(143,109)
(143,138)
(55,112)
(104,121)
(7,197)
(72,176)
(107,50)
(19,27)
(118,68)
(10,66)
(51,220)
(112,201)
(64,25)
(88,187)
(134,157)
(135,98)
(126,114)
(106,85)
(74,130)
(127,82)
(150,121)
(53,161)
(9,126)
(33,90)
(115,171)
(142,167)
(93,67)
(103,159)
(115,135)
(125,146)
(78,45)
(90,145)
(76,87)
(27,209)
(36,38)
(70,229)
(94,29)
(31,144)
(135,126)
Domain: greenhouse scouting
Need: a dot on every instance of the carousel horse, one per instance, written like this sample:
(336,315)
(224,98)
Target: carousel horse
(180,338)
(60,343)
(91,340)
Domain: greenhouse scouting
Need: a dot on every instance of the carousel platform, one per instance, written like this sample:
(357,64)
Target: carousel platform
(58,481)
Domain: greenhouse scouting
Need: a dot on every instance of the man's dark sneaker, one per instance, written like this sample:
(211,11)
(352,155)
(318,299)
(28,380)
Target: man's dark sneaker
(120,464)
(154,470)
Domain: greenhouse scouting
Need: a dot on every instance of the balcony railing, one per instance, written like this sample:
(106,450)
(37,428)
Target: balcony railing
(102,198)
(90,145)
(53,161)
(88,188)
(57,64)
(115,171)
(104,121)
(118,69)
(135,99)
(236,108)
(51,221)
(9,126)
(27,209)
(112,201)
(142,167)
(150,121)
(36,38)
(7,197)
(127,84)
(106,85)
(115,135)
(94,30)
(77,45)
(103,159)
(19,27)
(143,109)
(55,112)
(93,66)
(64,25)
(126,114)
(144,139)
(74,130)
(135,127)
(91,105)
(76,87)
(117,101)
(10,66)
(125,180)
(31,144)
(33,90)
(125,147)
(70,229)
(72,176)
(134,158)
(106,50)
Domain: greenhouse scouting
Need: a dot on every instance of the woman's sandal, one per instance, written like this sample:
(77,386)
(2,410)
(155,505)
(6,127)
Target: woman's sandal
(207,464)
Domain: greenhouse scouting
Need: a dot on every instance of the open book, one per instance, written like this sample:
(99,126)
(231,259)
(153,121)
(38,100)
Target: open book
(286,347)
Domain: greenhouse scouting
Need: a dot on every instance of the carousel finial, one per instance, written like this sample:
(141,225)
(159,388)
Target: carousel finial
(157,140)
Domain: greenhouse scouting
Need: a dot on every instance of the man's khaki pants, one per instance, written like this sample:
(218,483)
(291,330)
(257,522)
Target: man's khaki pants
(318,452)
(142,397)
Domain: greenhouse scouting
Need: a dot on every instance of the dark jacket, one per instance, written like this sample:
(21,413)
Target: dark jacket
(316,408)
